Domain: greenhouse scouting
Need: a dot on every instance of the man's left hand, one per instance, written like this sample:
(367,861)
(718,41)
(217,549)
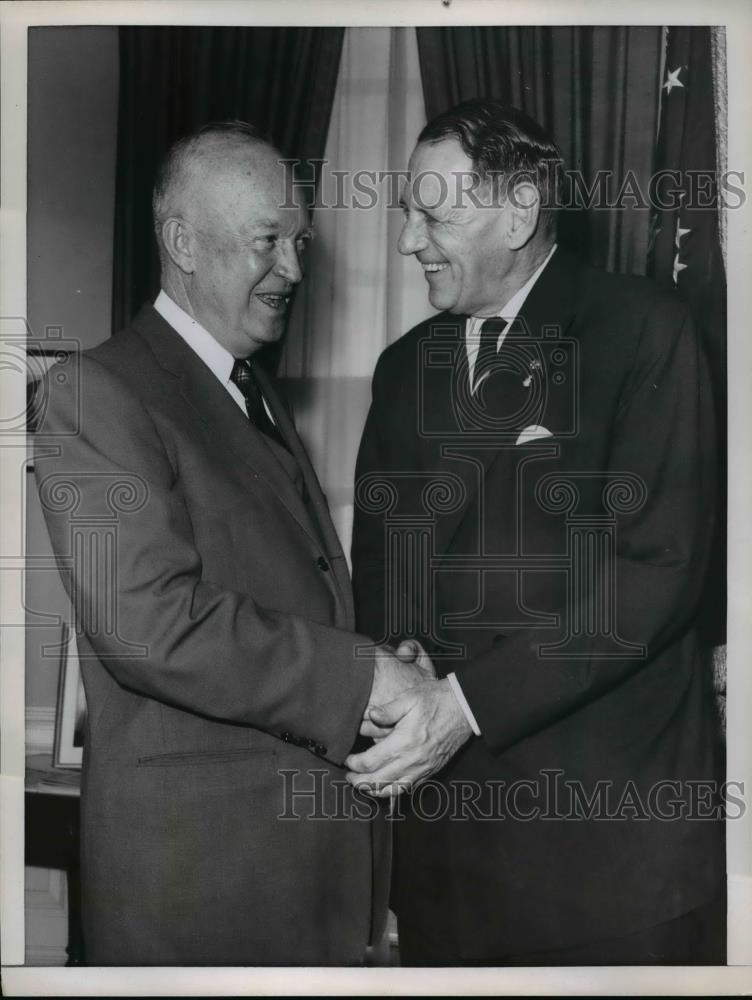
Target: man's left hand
(429,728)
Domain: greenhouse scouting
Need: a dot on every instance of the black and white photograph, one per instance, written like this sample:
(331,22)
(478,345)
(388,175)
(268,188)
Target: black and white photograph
(374,535)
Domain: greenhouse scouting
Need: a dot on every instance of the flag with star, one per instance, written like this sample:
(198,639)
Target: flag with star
(685,250)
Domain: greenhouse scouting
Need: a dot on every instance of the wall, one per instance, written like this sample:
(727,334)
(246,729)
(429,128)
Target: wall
(73,90)
(72,135)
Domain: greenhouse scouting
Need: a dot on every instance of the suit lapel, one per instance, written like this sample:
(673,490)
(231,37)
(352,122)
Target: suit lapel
(331,543)
(220,414)
(443,410)
(470,454)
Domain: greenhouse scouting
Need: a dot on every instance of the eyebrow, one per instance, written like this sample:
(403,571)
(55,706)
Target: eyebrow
(274,226)
(430,213)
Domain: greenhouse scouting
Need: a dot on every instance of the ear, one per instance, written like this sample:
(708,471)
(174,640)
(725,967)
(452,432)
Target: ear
(523,211)
(179,240)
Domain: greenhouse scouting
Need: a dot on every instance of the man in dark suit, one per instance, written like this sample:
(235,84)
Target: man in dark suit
(535,499)
(224,679)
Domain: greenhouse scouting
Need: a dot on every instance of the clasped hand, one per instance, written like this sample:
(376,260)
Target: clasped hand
(415,720)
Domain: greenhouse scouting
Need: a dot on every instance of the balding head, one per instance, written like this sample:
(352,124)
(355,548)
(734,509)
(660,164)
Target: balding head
(197,165)
(230,233)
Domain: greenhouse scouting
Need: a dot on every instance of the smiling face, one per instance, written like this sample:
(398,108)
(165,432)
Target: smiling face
(462,247)
(248,239)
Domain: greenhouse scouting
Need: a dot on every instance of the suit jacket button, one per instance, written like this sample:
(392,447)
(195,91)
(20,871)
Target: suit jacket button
(287,737)
(322,564)
(320,749)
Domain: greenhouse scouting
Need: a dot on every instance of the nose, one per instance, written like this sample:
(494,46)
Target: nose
(413,238)
(288,262)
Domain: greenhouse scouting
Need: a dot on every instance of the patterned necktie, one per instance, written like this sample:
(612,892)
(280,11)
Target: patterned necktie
(244,378)
(487,355)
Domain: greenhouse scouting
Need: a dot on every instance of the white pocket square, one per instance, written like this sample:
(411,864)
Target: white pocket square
(532,433)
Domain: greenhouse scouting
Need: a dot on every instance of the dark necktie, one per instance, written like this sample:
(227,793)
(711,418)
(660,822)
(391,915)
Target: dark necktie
(486,358)
(244,378)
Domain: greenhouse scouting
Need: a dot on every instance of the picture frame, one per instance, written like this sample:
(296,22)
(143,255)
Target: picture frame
(70,713)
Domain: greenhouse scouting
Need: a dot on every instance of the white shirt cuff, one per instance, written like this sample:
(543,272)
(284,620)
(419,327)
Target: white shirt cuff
(462,700)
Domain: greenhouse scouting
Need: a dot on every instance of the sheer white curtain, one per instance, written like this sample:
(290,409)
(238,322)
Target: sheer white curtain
(359,294)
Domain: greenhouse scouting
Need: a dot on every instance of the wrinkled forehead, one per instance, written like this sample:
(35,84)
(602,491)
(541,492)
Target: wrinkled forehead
(254,191)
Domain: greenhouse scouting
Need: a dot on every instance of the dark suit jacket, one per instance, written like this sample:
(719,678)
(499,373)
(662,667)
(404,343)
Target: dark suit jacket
(611,366)
(220,668)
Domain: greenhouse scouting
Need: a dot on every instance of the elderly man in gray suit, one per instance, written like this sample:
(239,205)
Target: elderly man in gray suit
(224,679)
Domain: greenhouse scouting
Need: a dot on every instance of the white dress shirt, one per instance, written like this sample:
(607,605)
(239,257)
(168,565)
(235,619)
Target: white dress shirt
(508,312)
(216,357)
(472,345)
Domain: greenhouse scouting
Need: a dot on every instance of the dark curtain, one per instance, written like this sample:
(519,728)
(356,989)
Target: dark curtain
(686,251)
(595,89)
(173,80)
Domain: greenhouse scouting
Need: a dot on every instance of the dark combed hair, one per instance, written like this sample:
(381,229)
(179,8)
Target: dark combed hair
(503,143)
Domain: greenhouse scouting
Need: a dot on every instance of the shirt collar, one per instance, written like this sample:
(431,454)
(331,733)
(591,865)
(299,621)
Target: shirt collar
(216,357)
(513,306)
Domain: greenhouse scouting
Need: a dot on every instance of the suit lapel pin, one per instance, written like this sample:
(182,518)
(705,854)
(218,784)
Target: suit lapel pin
(533,367)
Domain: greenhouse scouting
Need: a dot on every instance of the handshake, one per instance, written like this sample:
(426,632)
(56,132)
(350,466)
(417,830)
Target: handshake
(413,717)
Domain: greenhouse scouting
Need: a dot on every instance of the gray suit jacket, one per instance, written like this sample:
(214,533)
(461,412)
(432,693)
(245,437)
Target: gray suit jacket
(218,652)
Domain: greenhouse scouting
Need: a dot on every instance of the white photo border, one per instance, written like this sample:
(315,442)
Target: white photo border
(15,18)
